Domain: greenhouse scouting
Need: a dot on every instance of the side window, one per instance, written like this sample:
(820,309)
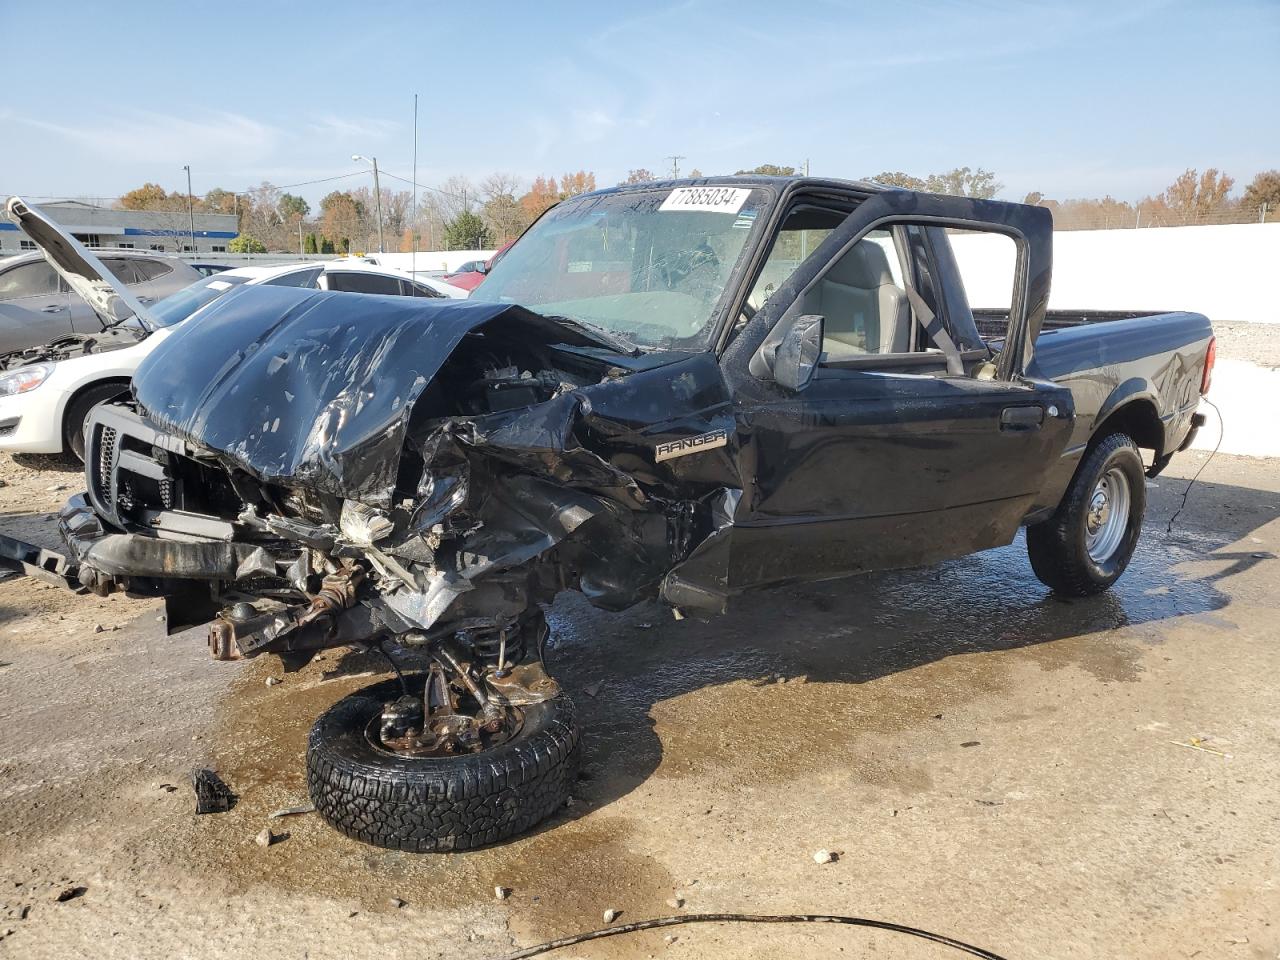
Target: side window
(121,269)
(986,264)
(895,300)
(411,289)
(296,278)
(28,280)
(801,233)
(151,269)
(864,300)
(353,282)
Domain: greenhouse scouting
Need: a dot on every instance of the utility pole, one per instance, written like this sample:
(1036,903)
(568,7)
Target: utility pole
(191,216)
(377,196)
(300,236)
(806,166)
(675,166)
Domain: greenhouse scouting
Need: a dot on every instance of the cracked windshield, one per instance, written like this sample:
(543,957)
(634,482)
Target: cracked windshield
(650,266)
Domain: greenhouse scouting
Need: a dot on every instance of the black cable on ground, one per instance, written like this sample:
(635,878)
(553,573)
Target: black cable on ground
(749,918)
(1185,493)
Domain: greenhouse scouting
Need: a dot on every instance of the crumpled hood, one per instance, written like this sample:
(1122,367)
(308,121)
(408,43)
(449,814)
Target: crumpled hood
(314,388)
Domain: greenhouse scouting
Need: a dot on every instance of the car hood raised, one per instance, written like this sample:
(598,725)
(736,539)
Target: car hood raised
(79,267)
(313,388)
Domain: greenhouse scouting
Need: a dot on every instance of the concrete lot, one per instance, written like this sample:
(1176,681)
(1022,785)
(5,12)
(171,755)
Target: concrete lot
(989,762)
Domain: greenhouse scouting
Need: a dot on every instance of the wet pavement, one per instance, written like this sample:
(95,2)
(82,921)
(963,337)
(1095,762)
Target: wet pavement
(1041,778)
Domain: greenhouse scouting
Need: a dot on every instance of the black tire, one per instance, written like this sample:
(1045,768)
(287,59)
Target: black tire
(438,803)
(78,409)
(1058,547)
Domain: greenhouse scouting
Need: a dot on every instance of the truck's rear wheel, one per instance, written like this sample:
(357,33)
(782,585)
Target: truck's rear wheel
(1084,547)
(424,804)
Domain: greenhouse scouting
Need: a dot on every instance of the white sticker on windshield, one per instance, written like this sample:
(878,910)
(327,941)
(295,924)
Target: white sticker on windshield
(707,199)
(219,285)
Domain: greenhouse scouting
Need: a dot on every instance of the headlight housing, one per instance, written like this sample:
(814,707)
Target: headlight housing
(24,378)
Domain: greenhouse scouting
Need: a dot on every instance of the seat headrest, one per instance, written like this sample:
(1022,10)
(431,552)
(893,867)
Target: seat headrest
(865,266)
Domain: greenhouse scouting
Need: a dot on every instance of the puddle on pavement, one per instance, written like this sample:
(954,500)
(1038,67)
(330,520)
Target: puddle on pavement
(793,683)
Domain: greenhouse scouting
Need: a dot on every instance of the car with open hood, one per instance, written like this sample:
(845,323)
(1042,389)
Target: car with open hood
(675,391)
(47,390)
(38,305)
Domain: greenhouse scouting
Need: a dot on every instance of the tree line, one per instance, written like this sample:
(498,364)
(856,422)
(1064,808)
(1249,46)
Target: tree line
(464,215)
(1192,198)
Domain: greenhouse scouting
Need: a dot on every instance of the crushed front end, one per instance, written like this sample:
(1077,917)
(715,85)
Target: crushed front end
(433,500)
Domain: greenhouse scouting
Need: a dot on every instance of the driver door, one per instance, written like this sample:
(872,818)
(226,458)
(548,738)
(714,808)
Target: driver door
(911,440)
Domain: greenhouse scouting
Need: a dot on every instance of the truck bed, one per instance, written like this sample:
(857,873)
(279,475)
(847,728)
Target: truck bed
(993,323)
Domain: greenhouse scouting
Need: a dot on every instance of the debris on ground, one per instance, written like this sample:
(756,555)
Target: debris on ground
(972,743)
(501,893)
(592,689)
(212,795)
(825,856)
(99,628)
(63,894)
(272,681)
(397,902)
(265,838)
(1201,744)
(675,903)
(611,915)
(292,811)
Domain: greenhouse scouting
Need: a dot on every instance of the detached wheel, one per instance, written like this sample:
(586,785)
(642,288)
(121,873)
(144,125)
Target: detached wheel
(78,410)
(424,804)
(1088,542)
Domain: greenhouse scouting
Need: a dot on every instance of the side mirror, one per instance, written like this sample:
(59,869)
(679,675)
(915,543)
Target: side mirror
(482,267)
(790,354)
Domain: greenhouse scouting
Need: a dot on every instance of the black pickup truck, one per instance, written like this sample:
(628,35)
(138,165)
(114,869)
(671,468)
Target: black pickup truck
(677,390)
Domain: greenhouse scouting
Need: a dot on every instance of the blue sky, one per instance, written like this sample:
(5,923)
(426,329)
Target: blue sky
(1072,99)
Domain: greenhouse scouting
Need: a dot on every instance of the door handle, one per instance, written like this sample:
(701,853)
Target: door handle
(1022,418)
(52,308)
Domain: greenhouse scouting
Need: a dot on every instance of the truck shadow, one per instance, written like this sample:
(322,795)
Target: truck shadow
(819,647)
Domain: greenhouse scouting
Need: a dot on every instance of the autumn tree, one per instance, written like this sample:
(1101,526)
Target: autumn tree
(573,184)
(695,174)
(639,175)
(292,208)
(963,182)
(897,178)
(340,218)
(502,212)
(149,196)
(542,195)
(769,170)
(1033,198)
(1264,188)
(218,200)
(1193,197)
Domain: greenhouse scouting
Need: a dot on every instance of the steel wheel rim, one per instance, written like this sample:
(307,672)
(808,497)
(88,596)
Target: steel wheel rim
(1107,515)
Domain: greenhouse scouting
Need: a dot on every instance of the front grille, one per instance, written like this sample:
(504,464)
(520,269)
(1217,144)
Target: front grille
(105,462)
(134,470)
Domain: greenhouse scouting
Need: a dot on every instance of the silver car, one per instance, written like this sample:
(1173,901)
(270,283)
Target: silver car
(37,306)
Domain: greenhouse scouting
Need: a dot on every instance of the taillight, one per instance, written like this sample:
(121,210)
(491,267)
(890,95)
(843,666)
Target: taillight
(1210,355)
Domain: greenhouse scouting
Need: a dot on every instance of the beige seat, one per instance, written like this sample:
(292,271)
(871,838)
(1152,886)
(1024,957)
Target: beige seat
(865,311)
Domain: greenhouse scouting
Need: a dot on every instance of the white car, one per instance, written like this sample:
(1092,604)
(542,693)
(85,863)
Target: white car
(46,392)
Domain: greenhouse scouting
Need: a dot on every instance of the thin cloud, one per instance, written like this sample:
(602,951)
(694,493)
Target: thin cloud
(165,139)
(331,125)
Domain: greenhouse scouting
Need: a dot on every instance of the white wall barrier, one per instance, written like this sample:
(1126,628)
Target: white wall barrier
(1228,272)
